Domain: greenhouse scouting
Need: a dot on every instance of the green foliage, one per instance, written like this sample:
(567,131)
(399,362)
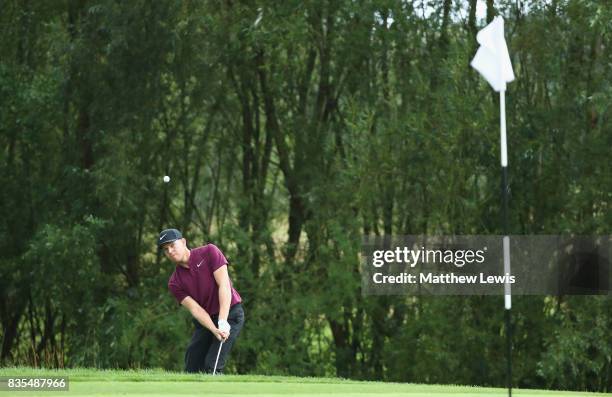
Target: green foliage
(159,328)
(579,346)
(61,262)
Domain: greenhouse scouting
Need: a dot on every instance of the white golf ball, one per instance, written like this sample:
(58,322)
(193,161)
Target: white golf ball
(166,178)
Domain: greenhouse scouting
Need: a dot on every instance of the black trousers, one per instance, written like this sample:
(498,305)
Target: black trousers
(203,347)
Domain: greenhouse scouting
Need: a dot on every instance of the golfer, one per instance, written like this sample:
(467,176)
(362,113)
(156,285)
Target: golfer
(202,285)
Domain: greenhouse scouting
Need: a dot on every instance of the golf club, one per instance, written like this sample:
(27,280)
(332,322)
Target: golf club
(217,360)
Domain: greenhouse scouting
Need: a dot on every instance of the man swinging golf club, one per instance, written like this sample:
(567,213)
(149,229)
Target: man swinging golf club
(202,285)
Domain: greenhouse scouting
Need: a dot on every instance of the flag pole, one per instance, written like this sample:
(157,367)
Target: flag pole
(492,60)
(506,238)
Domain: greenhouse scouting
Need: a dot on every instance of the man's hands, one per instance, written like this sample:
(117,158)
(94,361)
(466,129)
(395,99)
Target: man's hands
(220,335)
(223,330)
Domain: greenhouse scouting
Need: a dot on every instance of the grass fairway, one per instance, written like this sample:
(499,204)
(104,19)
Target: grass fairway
(90,382)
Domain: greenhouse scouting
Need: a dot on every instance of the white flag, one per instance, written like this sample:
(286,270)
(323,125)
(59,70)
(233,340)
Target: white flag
(492,59)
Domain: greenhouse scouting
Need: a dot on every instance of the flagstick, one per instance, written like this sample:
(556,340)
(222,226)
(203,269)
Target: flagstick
(506,239)
(492,60)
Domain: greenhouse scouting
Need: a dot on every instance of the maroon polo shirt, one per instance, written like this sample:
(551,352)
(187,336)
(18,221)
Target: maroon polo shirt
(198,281)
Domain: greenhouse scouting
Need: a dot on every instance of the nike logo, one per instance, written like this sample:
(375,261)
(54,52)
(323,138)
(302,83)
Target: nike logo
(200,262)
(162,237)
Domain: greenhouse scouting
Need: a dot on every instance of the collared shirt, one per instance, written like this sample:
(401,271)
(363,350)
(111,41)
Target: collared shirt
(198,281)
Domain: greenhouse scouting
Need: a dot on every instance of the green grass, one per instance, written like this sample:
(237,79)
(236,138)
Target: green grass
(91,382)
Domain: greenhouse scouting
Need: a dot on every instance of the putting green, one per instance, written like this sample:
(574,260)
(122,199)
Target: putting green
(90,382)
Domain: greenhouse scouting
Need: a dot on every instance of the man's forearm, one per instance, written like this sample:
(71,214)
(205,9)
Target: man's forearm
(225,298)
(203,318)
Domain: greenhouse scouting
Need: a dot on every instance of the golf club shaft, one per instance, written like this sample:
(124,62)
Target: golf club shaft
(217,360)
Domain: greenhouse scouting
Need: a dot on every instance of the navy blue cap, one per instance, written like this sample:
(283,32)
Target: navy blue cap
(168,236)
